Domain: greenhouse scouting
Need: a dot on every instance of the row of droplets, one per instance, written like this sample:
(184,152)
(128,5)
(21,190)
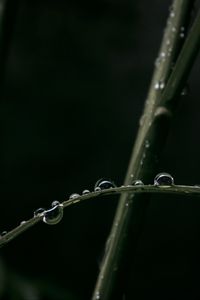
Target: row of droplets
(54,215)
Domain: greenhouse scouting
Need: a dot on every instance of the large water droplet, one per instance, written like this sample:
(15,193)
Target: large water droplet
(85,192)
(163,179)
(38,212)
(53,215)
(74,196)
(137,182)
(104,184)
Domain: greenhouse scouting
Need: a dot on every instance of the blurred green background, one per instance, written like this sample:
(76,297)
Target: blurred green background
(74,78)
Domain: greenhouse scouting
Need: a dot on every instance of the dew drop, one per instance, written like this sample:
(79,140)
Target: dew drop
(163,179)
(39,211)
(172,14)
(182,35)
(137,182)
(4,233)
(97,295)
(74,196)
(85,192)
(53,215)
(162,85)
(55,203)
(157,86)
(147,144)
(162,54)
(104,184)
(23,222)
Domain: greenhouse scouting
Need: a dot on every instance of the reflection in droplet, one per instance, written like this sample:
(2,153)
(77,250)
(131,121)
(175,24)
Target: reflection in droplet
(163,179)
(39,212)
(53,215)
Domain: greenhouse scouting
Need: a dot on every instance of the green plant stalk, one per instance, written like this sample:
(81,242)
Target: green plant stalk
(142,189)
(151,136)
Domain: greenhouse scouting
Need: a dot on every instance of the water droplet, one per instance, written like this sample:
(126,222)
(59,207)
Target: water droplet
(172,14)
(85,192)
(159,85)
(162,54)
(182,28)
(97,189)
(182,35)
(97,295)
(23,222)
(53,215)
(157,61)
(39,211)
(104,184)
(147,144)
(131,175)
(4,233)
(185,90)
(173,29)
(55,203)
(137,182)
(162,85)
(163,179)
(74,196)
(168,42)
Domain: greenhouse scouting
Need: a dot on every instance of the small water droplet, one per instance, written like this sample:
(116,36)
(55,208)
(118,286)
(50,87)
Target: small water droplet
(182,28)
(173,29)
(159,85)
(23,222)
(185,90)
(55,203)
(157,61)
(53,215)
(85,192)
(147,144)
(163,179)
(97,189)
(74,196)
(137,182)
(39,211)
(168,42)
(162,85)
(104,184)
(4,233)
(97,295)
(182,35)
(172,14)
(131,175)
(162,54)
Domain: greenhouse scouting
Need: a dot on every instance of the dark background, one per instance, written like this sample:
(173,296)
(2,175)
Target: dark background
(74,79)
